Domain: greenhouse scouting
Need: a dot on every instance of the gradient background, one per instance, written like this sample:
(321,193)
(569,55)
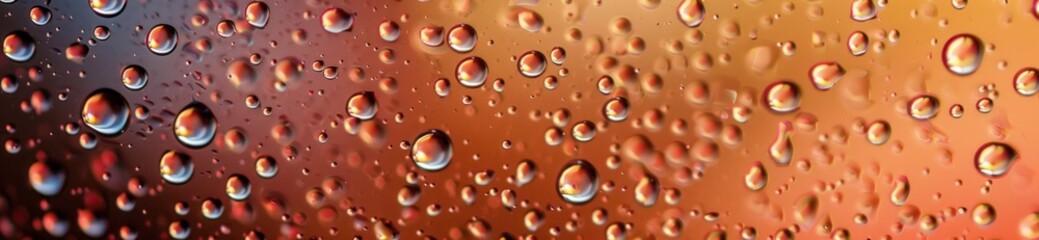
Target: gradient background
(933,154)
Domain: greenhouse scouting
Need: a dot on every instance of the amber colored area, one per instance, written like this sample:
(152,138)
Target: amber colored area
(814,119)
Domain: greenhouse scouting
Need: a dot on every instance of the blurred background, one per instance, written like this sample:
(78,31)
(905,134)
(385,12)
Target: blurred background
(518,119)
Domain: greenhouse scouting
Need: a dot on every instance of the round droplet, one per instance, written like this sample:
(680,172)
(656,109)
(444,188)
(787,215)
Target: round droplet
(40,15)
(335,20)
(1026,81)
(175,167)
(993,159)
(583,131)
(105,111)
(107,8)
(1029,225)
(923,107)
(266,167)
(962,54)
(432,151)
(826,74)
(46,178)
(900,193)
(257,13)
(616,109)
(462,38)
(195,125)
(432,36)
(532,64)
(691,12)
(238,187)
(162,39)
(578,182)
(212,208)
(782,97)
(19,46)
(983,214)
(134,77)
(362,105)
(472,72)
(179,229)
(878,133)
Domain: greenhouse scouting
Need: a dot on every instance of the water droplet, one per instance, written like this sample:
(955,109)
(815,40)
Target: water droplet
(647,191)
(266,167)
(1026,81)
(19,46)
(1029,225)
(105,111)
(825,75)
(783,97)
(923,107)
(179,229)
(432,151)
(691,12)
(195,125)
(212,208)
(362,105)
(756,178)
(238,187)
(175,167)
(806,208)
(878,132)
(533,219)
(162,39)
(578,182)
(863,10)
(335,20)
(962,54)
(583,131)
(993,159)
(983,214)
(40,15)
(532,64)
(134,77)
(107,8)
(616,109)
(432,36)
(525,172)
(257,13)
(46,178)
(389,31)
(900,192)
(472,72)
(782,149)
(858,43)
(462,38)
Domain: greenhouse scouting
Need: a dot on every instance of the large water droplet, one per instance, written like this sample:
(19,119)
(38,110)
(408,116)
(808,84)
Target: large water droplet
(993,159)
(46,178)
(1026,81)
(756,177)
(472,72)
(462,38)
(238,187)
(783,97)
(863,10)
(40,15)
(257,13)
(532,64)
(362,105)
(335,20)
(983,214)
(962,54)
(212,208)
(19,46)
(578,182)
(432,150)
(826,74)
(647,191)
(900,193)
(107,8)
(691,12)
(162,39)
(923,107)
(195,125)
(616,109)
(266,167)
(134,77)
(106,112)
(175,167)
